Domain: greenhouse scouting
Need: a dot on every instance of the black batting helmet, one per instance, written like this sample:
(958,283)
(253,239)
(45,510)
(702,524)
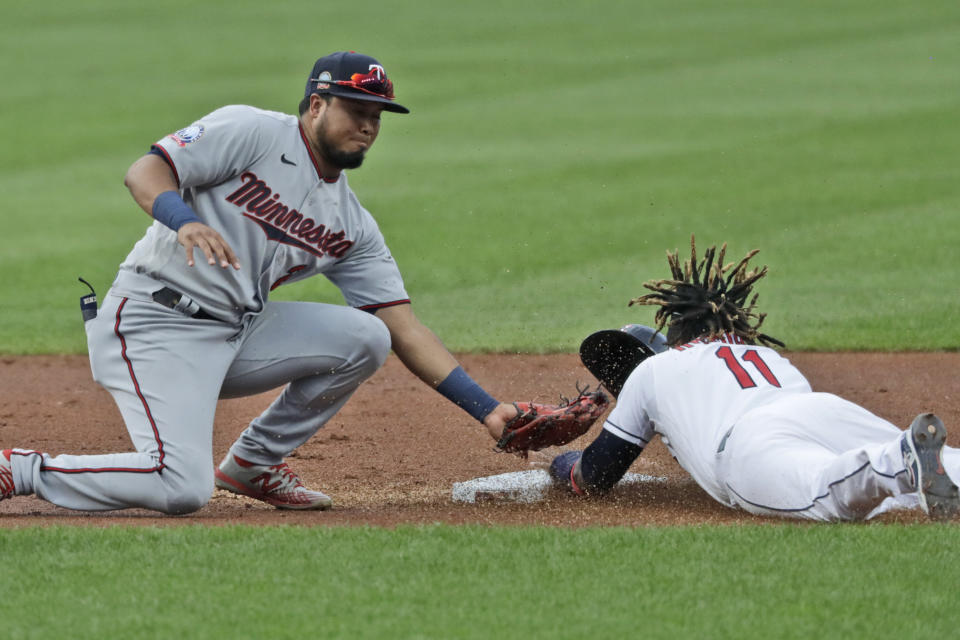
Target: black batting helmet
(612,354)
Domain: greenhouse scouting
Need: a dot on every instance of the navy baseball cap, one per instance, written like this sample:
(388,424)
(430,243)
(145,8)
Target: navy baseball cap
(349,74)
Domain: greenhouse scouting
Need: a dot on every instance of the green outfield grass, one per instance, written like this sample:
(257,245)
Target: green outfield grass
(781,581)
(554,152)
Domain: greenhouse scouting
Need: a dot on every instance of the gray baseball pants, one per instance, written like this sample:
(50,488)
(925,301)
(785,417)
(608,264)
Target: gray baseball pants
(166,372)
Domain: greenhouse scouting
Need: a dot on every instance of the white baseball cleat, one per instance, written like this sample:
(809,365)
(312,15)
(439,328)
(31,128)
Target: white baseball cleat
(921,446)
(275,484)
(6,475)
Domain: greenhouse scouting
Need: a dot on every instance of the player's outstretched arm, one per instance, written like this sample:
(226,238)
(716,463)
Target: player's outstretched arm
(598,467)
(422,352)
(496,421)
(153,186)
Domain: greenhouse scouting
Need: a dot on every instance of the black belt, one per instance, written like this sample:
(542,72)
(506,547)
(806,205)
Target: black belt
(173,299)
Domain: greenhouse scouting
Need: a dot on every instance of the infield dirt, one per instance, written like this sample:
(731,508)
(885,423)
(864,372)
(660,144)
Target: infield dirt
(393,453)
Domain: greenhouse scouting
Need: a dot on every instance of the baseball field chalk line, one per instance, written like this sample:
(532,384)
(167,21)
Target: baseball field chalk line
(521,486)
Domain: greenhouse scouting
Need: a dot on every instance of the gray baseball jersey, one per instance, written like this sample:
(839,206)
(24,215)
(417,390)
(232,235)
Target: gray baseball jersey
(251,176)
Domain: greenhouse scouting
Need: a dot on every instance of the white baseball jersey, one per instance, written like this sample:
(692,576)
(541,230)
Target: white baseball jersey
(746,425)
(251,175)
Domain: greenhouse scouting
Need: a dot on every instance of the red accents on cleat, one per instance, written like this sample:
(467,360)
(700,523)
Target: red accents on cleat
(277,484)
(6,475)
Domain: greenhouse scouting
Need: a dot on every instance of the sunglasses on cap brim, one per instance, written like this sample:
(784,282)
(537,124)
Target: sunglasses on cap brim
(365,82)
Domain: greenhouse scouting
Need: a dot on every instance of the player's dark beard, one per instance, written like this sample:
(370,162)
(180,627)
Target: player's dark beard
(337,157)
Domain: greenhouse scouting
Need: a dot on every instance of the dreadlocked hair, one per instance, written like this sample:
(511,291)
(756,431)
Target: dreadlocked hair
(707,299)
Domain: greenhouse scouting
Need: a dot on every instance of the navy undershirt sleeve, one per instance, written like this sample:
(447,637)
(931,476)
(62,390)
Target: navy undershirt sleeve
(606,460)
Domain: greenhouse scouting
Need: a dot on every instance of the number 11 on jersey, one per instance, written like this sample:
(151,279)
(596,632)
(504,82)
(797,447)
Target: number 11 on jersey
(740,373)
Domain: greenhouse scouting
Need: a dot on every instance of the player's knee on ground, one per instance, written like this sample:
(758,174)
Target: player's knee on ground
(188,501)
(190,491)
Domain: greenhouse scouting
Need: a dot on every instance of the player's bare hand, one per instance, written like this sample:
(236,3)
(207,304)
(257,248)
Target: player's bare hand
(497,419)
(198,235)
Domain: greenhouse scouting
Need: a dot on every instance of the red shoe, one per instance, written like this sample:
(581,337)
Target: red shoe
(277,484)
(6,475)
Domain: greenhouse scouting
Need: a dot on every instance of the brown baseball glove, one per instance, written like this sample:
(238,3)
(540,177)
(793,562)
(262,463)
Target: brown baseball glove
(538,426)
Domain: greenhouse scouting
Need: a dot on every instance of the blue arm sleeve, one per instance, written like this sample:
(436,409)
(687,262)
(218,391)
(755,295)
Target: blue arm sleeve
(460,389)
(170,209)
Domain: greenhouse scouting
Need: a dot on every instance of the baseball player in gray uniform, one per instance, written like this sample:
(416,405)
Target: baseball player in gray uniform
(244,201)
(742,420)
